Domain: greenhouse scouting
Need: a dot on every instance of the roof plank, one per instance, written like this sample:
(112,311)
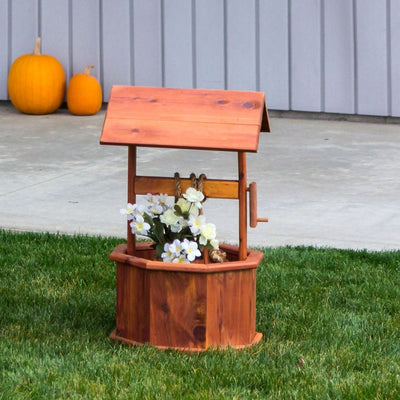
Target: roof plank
(185,118)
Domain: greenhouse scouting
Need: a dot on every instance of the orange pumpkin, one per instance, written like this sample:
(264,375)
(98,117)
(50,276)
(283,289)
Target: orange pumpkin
(36,83)
(84,95)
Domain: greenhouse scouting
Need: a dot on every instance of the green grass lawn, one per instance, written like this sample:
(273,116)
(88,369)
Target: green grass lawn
(337,310)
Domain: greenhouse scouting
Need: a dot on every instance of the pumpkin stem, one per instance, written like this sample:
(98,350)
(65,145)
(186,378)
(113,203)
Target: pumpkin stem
(36,50)
(87,69)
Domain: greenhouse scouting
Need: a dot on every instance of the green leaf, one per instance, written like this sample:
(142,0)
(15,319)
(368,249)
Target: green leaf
(159,232)
(178,211)
(159,250)
(148,219)
(186,232)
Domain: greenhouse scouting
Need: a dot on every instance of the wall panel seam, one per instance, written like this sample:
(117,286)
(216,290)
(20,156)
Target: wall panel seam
(162,23)
(257,44)
(70,38)
(132,42)
(101,44)
(39,17)
(225,45)
(290,55)
(322,56)
(194,48)
(389,57)
(9,30)
(359,22)
(355,47)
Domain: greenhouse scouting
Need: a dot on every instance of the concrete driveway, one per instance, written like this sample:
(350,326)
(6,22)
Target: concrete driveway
(322,183)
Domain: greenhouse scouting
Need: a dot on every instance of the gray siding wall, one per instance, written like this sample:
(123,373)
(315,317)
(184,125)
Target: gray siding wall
(340,56)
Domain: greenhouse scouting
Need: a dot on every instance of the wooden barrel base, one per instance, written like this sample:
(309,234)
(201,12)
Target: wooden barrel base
(189,307)
(115,338)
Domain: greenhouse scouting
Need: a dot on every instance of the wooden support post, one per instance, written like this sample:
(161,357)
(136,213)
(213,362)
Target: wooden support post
(131,239)
(242,205)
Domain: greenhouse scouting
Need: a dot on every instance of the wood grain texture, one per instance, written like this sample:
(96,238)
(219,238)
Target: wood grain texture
(185,118)
(146,259)
(132,303)
(242,172)
(212,188)
(132,153)
(178,309)
(253,204)
(189,307)
(231,308)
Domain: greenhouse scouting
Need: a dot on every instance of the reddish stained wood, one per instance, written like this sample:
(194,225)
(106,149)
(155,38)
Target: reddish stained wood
(131,194)
(231,302)
(242,205)
(185,118)
(178,309)
(180,134)
(254,219)
(253,204)
(132,286)
(196,305)
(191,105)
(265,127)
(146,259)
(212,188)
(183,308)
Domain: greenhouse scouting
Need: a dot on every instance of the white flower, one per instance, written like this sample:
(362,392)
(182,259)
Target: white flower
(186,206)
(157,220)
(191,250)
(180,224)
(132,210)
(167,256)
(157,202)
(162,200)
(208,232)
(128,211)
(183,204)
(154,209)
(169,217)
(150,198)
(214,243)
(194,196)
(153,206)
(175,247)
(181,259)
(196,223)
(139,226)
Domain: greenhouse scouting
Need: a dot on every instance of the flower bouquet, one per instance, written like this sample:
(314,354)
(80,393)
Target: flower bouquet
(179,231)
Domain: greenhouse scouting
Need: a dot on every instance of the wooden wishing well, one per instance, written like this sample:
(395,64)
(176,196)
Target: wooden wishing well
(187,306)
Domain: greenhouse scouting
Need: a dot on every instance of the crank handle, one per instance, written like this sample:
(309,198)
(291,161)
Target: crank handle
(252,189)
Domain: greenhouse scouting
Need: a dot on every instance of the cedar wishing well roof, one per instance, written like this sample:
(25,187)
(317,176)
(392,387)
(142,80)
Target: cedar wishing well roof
(185,118)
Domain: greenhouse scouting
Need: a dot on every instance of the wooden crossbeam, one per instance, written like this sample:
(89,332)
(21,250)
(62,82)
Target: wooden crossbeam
(212,188)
